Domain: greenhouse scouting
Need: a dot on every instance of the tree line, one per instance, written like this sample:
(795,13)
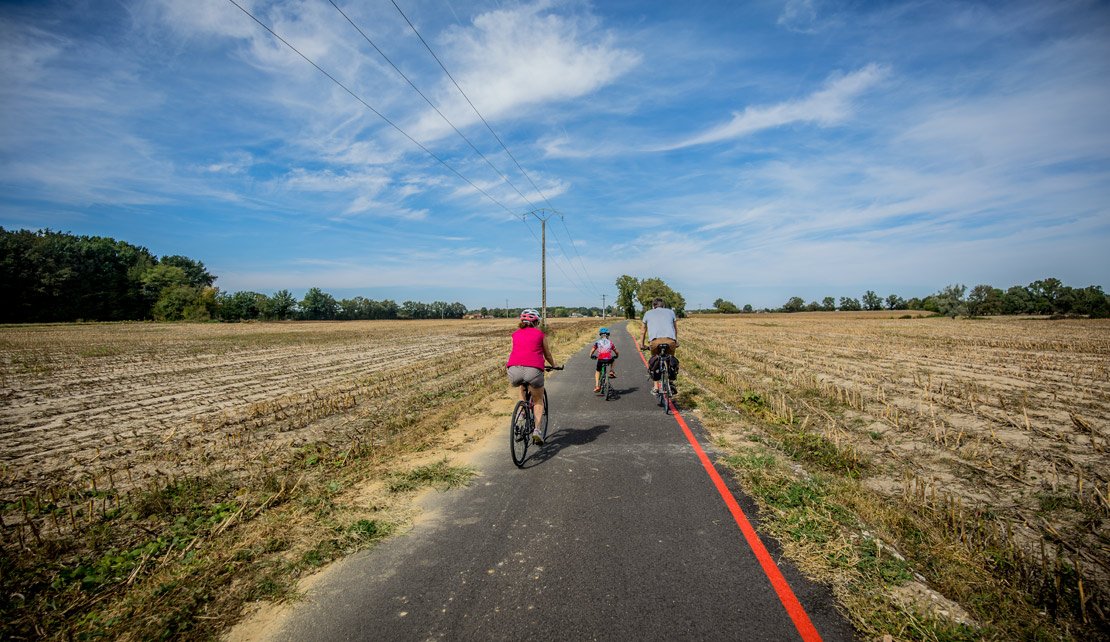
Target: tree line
(49,276)
(1042,297)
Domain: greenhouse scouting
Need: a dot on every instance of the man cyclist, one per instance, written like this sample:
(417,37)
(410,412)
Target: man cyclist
(606,353)
(660,327)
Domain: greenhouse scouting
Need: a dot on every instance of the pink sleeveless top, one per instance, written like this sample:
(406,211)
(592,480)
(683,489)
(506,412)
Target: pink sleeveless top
(527,348)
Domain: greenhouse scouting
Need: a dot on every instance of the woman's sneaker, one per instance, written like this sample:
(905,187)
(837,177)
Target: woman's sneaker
(537,438)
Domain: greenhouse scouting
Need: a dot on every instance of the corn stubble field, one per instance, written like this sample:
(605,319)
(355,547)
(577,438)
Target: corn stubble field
(154,478)
(984,439)
(131,453)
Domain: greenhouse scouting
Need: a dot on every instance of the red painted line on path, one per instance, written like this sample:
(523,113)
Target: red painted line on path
(789,601)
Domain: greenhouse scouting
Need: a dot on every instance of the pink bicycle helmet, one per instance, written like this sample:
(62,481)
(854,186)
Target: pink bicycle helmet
(529,315)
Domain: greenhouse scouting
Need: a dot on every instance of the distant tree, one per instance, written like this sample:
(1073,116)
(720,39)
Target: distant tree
(626,295)
(241,306)
(828,304)
(895,302)
(1092,301)
(913,303)
(655,287)
(318,305)
(748,308)
(984,299)
(725,307)
(159,277)
(849,304)
(872,301)
(795,304)
(950,301)
(813,306)
(1043,293)
(195,272)
(281,306)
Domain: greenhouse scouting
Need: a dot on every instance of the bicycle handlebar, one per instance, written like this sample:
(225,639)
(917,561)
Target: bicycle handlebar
(550,368)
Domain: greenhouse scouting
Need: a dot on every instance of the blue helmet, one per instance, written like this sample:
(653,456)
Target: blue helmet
(603,331)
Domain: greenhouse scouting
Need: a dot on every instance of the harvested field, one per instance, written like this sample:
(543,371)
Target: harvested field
(1000,426)
(184,470)
(133,401)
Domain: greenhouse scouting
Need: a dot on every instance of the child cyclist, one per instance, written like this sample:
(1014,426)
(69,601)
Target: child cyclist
(606,353)
(526,361)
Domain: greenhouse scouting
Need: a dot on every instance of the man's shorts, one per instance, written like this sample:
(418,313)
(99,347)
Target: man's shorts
(655,343)
(521,375)
(601,362)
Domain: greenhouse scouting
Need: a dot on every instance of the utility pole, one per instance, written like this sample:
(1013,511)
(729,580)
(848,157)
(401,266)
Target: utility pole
(602,306)
(546,214)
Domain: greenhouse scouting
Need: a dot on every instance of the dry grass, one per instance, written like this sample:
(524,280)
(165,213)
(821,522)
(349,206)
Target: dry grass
(982,441)
(156,477)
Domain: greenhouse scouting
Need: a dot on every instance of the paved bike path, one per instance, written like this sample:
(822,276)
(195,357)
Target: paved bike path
(612,531)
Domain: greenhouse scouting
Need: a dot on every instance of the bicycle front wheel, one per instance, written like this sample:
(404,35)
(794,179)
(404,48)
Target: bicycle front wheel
(546,414)
(520,435)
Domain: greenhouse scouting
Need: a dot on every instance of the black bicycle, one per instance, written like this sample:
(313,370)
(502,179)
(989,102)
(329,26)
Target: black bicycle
(603,381)
(523,423)
(665,396)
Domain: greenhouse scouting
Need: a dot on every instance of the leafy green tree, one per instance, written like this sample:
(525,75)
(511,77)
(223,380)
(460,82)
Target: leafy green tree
(242,306)
(872,301)
(162,276)
(655,287)
(895,302)
(950,301)
(795,304)
(849,304)
(1092,301)
(725,307)
(747,308)
(318,305)
(828,304)
(195,272)
(984,299)
(626,295)
(281,306)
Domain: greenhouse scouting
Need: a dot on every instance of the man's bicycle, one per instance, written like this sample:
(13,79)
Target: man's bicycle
(523,423)
(666,388)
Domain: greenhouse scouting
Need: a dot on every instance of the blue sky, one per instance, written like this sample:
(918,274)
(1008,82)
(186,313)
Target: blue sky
(747,150)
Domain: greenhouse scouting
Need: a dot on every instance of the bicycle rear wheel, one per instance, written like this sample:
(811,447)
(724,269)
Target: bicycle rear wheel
(606,388)
(520,435)
(665,390)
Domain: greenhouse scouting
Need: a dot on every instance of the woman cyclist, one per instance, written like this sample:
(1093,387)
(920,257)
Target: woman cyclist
(606,353)
(526,360)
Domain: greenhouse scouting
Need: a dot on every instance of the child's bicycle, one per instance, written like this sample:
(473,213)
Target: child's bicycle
(523,423)
(603,378)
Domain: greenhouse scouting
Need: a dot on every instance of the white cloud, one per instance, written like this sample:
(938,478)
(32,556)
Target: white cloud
(526,55)
(828,106)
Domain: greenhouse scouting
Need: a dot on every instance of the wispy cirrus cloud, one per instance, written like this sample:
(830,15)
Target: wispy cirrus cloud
(827,106)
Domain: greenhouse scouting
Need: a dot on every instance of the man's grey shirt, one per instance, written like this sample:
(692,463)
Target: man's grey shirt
(660,324)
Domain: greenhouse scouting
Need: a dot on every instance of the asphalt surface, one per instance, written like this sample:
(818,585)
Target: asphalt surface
(612,531)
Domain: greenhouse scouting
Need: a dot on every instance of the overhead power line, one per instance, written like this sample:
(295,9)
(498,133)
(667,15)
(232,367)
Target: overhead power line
(501,174)
(367,105)
(501,142)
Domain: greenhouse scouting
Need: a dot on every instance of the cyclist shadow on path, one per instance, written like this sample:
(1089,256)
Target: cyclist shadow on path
(564,438)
